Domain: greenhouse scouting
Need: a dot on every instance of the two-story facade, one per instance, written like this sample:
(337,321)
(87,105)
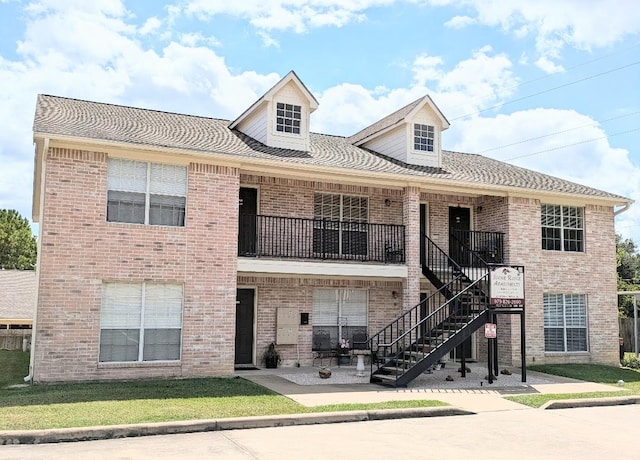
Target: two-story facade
(179,246)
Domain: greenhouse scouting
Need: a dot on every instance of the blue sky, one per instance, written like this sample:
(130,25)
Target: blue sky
(549,85)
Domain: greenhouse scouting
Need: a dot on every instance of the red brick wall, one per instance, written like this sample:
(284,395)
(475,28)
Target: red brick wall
(80,250)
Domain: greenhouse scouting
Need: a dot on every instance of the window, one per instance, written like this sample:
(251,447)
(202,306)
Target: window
(423,137)
(341,224)
(565,322)
(140,322)
(288,118)
(562,228)
(340,313)
(146,193)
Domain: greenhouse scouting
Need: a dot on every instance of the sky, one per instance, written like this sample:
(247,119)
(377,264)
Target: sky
(550,85)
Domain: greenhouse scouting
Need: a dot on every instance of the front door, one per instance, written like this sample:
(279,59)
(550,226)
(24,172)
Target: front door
(244,326)
(247,226)
(459,219)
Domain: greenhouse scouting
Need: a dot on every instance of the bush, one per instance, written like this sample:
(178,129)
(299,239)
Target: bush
(630,362)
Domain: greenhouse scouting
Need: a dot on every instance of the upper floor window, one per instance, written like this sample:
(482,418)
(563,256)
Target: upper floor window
(146,193)
(423,136)
(288,118)
(562,228)
(340,224)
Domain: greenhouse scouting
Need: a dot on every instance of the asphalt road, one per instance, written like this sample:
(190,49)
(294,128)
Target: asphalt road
(582,433)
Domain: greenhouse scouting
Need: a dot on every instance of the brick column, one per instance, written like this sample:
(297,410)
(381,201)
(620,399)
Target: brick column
(411,221)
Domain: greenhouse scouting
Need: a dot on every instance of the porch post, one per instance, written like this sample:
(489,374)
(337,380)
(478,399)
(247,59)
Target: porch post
(411,220)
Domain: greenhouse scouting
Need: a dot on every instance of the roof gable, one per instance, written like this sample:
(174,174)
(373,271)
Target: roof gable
(403,115)
(291,77)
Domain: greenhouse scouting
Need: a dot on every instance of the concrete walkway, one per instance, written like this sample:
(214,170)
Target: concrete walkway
(462,401)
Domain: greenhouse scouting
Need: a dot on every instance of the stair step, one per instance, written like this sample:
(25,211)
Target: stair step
(384,378)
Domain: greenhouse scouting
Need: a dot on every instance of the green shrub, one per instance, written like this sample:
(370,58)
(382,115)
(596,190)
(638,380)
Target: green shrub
(631,362)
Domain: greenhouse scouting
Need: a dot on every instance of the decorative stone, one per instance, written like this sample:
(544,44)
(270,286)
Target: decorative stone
(324,373)
(505,372)
(449,378)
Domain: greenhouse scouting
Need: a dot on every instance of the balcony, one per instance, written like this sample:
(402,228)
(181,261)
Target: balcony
(321,240)
(489,246)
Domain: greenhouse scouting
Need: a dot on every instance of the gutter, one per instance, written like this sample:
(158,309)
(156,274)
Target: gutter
(621,210)
(45,149)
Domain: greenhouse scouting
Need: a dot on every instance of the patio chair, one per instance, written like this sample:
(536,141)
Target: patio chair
(321,347)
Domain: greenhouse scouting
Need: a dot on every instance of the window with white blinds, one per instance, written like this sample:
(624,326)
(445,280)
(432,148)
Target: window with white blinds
(140,322)
(339,313)
(340,226)
(146,193)
(565,322)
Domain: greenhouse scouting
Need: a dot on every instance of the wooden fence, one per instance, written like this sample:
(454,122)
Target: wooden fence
(626,332)
(15,339)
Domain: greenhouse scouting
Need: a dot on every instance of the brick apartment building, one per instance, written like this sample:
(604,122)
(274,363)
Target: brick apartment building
(180,246)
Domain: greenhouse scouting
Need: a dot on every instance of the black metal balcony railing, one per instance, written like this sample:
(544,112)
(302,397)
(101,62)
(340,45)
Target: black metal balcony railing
(488,246)
(292,237)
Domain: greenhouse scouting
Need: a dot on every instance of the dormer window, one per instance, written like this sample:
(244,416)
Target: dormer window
(288,118)
(423,136)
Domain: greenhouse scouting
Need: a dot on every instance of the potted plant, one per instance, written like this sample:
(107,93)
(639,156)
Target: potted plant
(344,355)
(271,356)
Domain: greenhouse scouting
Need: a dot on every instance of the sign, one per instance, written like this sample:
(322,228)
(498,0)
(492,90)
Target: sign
(490,331)
(506,286)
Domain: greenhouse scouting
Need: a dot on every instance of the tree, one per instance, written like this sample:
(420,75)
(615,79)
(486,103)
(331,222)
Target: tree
(628,268)
(17,243)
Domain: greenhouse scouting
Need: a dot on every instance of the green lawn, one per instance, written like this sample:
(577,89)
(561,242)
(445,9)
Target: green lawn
(597,373)
(109,403)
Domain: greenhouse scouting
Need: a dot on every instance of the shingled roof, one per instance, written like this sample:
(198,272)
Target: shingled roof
(64,117)
(18,299)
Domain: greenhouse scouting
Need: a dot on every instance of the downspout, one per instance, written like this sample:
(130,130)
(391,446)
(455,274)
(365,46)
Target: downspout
(622,209)
(45,149)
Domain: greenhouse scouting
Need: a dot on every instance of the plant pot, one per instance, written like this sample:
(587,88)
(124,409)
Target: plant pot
(343,360)
(271,362)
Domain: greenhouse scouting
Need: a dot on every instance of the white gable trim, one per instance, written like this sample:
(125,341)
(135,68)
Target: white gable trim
(268,97)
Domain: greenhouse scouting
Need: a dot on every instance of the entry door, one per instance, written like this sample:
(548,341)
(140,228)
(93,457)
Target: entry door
(423,233)
(459,219)
(244,326)
(247,226)
(423,313)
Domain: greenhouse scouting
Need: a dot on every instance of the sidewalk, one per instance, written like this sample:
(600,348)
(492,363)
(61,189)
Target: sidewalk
(465,397)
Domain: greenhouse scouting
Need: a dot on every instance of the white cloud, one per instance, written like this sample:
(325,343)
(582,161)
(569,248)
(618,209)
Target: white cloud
(458,22)
(293,15)
(577,23)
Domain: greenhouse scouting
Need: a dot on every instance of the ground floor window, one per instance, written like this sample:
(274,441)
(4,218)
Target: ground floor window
(140,322)
(338,314)
(565,322)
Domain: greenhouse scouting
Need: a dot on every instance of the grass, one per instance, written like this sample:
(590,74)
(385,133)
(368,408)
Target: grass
(143,401)
(597,373)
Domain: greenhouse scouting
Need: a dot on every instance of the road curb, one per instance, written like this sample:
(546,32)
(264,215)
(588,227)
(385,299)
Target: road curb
(590,402)
(196,426)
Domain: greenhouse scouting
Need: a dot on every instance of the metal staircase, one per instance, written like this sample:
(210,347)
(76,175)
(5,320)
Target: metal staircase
(421,336)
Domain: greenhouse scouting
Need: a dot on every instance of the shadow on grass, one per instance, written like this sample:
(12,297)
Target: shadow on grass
(597,373)
(123,391)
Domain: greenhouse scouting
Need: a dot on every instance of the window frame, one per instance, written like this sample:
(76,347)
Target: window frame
(341,327)
(152,198)
(567,322)
(289,111)
(424,138)
(353,237)
(561,235)
(145,320)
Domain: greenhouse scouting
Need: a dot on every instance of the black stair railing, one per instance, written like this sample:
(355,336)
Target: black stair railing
(404,357)
(487,247)
(426,332)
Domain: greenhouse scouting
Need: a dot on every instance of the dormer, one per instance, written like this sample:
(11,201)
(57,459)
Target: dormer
(411,134)
(280,118)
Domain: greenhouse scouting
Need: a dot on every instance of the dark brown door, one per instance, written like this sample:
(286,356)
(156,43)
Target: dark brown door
(244,326)
(423,313)
(247,227)
(459,219)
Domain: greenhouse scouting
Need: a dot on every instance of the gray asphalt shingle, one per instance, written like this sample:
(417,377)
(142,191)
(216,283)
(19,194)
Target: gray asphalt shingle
(58,116)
